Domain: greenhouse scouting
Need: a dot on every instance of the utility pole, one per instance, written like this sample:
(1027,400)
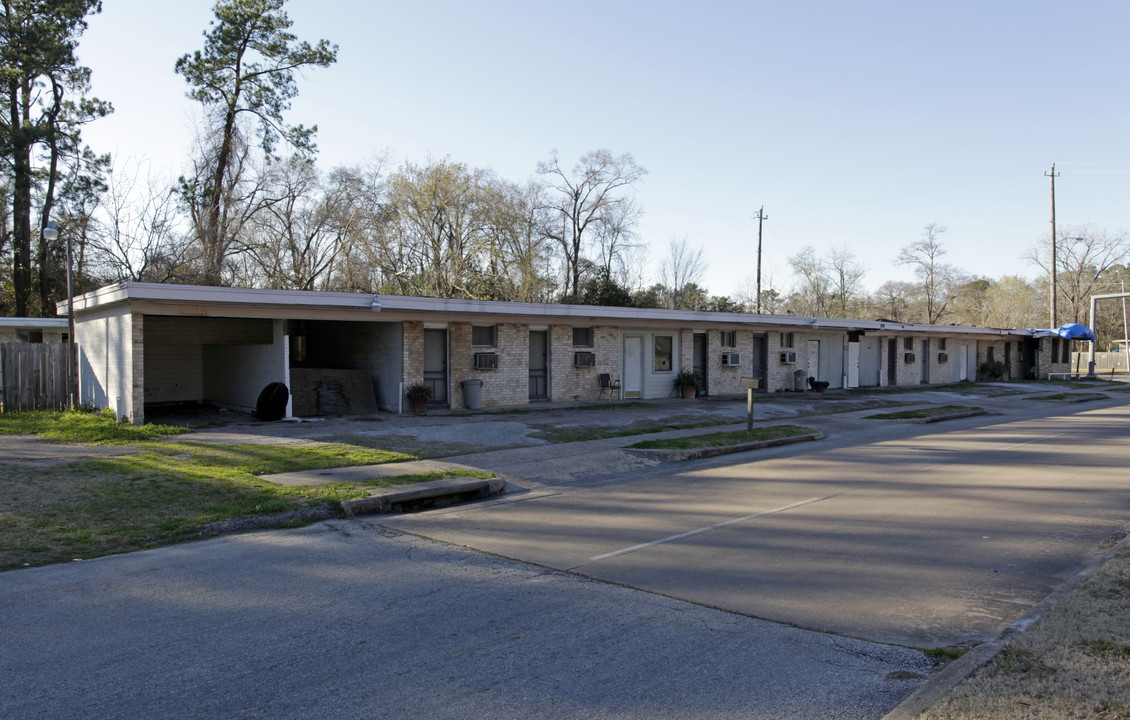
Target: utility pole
(1052,291)
(761,217)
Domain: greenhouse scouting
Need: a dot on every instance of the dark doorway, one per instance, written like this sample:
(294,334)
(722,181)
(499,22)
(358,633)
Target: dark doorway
(926,361)
(539,365)
(892,362)
(699,362)
(435,366)
(760,359)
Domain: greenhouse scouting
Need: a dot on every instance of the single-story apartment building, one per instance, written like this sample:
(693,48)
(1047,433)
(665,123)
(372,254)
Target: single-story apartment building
(33,330)
(144,344)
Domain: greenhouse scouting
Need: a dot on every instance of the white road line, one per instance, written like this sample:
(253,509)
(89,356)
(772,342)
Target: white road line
(699,531)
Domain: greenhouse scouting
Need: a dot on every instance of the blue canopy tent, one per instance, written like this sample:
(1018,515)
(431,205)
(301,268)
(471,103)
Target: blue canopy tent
(1075,331)
(1070,331)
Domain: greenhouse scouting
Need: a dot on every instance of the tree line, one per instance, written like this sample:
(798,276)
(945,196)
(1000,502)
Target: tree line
(253,208)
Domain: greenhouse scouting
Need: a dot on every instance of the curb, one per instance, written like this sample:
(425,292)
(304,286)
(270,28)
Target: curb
(959,670)
(699,453)
(1082,398)
(431,493)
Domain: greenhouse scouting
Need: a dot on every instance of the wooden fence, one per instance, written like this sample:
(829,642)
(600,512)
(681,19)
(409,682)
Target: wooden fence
(33,376)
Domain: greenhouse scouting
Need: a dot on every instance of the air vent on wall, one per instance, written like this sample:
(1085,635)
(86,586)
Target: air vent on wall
(584,359)
(908,358)
(788,358)
(731,358)
(943,358)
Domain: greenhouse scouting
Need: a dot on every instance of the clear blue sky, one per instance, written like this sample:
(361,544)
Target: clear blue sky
(852,123)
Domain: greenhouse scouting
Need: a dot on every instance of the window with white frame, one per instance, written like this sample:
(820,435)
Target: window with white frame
(786,339)
(729,339)
(484,336)
(908,343)
(941,343)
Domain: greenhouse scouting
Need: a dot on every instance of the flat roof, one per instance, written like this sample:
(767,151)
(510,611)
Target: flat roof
(22,323)
(198,300)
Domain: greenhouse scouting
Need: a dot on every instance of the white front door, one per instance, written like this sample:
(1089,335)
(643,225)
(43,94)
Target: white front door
(632,381)
(814,359)
(853,365)
(961,363)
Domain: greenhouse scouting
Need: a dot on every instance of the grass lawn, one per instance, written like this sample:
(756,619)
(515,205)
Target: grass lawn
(724,439)
(163,492)
(1072,663)
(925,413)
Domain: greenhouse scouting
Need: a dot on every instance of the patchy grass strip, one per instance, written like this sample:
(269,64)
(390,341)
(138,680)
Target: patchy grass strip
(1071,397)
(399,480)
(567,434)
(926,413)
(724,439)
(81,426)
(166,492)
(1072,663)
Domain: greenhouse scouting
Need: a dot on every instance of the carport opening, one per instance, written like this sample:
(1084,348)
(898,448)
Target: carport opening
(344,367)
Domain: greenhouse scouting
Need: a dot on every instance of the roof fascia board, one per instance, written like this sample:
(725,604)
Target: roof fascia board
(156,298)
(171,295)
(22,322)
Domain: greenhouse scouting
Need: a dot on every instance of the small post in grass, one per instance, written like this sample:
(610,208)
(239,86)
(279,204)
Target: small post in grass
(750,384)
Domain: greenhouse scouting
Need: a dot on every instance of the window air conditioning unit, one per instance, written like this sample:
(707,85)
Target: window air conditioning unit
(788,358)
(584,359)
(908,358)
(486,361)
(731,358)
(943,358)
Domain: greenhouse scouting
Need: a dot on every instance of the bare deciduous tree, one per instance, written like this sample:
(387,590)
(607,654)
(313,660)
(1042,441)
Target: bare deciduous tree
(939,282)
(137,233)
(1083,254)
(680,273)
(579,202)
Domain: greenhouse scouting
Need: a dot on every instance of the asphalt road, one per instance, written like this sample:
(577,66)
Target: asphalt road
(342,620)
(659,590)
(939,537)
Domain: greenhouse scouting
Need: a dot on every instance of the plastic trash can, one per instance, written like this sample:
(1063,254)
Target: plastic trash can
(800,380)
(473,394)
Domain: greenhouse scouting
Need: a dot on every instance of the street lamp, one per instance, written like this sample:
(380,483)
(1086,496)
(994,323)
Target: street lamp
(51,234)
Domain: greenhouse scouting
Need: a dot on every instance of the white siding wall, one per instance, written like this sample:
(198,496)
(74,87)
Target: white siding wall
(105,361)
(658,383)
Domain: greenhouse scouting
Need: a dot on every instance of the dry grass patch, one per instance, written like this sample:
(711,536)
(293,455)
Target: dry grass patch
(1073,663)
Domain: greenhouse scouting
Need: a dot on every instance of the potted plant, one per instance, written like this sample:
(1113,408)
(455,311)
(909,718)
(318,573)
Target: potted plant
(688,382)
(418,394)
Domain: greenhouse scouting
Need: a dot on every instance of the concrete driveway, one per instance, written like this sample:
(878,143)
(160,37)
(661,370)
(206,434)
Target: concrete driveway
(915,535)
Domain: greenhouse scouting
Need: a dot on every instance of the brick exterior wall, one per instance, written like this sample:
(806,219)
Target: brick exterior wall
(1014,369)
(908,373)
(137,371)
(726,379)
(567,382)
(778,375)
(1047,361)
(13,335)
(412,356)
(510,383)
